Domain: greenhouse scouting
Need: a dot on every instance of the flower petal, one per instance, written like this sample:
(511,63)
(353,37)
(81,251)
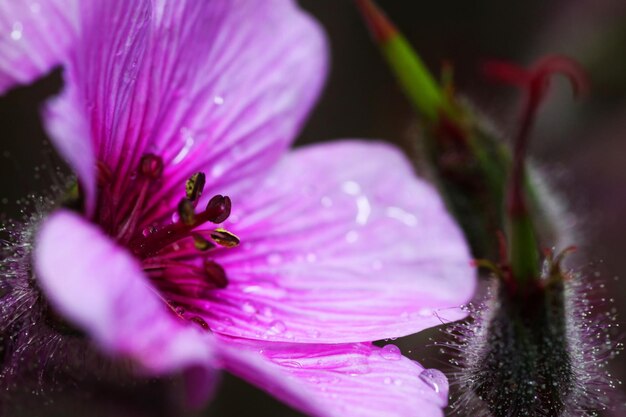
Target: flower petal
(99,287)
(36,35)
(220,85)
(341,243)
(359,380)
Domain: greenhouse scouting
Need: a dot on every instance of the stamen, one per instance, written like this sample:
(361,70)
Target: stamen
(150,170)
(219,206)
(217,211)
(186,212)
(195,186)
(201,243)
(216,274)
(224,238)
(186,279)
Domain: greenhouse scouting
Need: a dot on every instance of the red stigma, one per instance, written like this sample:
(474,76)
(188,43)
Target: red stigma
(534,82)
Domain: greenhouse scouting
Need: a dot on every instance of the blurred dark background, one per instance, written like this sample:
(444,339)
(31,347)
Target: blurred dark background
(580,145)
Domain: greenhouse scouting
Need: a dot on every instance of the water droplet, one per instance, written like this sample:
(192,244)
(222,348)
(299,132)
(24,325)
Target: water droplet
(387,380)
(219,100)
(391,352)
(274,259)
(402,216)
(148,231)
(276,327)
(16,32)
(218,169)
(436,380)
(187,136)
(326,201)
(267,312)
(351,188)
(180,311)
(352,236)
(364,209)
(314,334)
(248,308)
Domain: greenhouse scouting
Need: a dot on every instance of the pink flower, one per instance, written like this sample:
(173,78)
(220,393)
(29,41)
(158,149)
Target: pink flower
(340,243)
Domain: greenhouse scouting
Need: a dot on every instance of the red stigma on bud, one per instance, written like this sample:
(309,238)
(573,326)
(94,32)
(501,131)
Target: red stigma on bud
(535,82)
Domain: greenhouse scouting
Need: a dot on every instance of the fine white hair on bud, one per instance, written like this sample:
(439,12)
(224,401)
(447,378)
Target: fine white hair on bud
(40,354)
(544,355)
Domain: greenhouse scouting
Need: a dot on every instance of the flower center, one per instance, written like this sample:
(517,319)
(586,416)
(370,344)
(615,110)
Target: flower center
(177,257)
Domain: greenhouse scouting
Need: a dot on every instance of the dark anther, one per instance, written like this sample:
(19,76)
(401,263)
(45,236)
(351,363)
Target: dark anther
(200,322)
(215,274)
(186,211)
(194,186)
(224,238)
(218,208)
(151,166)
(201,243)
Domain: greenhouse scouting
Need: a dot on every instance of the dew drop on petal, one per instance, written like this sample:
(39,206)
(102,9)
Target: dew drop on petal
(352,236)
(148,231)
(391,352)
(436,380)
(387,380)
(276,327)
(16,32)
(315,334)
(274,259)
(248,308)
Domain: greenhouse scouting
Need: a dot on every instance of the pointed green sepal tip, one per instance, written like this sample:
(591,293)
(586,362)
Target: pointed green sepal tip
(418,84)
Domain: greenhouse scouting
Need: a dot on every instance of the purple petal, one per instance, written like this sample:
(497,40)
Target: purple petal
(221,86)
(341,243)
(35,36)
(357,380)
(94,108)
(99,287)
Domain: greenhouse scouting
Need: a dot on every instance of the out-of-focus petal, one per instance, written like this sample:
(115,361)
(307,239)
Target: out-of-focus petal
(35,35)
(356,380)
(99,287)
(341,243)
(220,86)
